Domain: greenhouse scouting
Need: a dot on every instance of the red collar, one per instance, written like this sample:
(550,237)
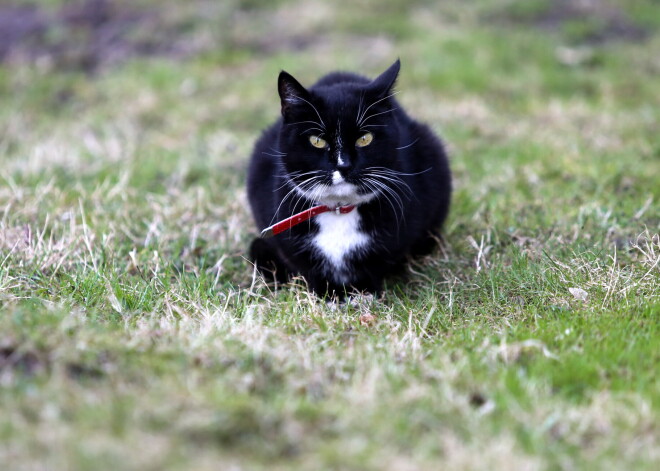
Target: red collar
(296,219)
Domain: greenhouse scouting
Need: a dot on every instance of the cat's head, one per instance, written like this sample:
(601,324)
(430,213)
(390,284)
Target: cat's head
(336,136)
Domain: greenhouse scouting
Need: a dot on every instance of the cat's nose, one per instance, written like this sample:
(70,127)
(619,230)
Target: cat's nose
(344,164)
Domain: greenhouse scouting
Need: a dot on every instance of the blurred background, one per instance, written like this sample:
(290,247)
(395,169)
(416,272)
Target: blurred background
(509,50)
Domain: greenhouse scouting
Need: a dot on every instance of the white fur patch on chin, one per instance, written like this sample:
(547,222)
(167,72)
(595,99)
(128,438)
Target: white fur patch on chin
(339,236)
(340,193)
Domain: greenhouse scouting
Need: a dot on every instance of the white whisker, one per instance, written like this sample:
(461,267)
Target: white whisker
(366,186)
(389,196)
(376,114)
(359,107)
(304,122)
(314,108)
(396,181)
(312,129)
(292,191)
(361,117)
(396,172)
(302,189)
(409,145)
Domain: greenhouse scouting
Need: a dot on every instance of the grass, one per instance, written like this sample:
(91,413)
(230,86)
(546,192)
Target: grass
(135,335)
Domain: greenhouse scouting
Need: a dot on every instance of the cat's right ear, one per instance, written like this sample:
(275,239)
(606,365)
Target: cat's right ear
(291,92)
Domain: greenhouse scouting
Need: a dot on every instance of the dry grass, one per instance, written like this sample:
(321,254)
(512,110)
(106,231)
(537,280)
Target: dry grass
(135,334)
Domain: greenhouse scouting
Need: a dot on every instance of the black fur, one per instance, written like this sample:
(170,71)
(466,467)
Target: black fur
(401,220)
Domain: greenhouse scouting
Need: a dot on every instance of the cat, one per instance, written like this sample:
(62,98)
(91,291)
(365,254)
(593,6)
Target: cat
(379,181)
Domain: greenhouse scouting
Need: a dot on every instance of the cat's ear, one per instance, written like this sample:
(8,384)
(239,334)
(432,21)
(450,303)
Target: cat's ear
(291,92)
(384,83)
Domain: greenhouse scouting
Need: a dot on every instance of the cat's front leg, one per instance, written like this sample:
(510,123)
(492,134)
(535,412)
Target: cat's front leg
(268,262)
(325,288)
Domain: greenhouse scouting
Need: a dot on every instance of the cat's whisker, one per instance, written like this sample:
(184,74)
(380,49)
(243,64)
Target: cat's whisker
(318,192)
(388,176)
(290,179)
(364,127)
(376,114)
(299,189)
(301,197)
(278,152)
(369,189)
(307,185)
(396,182)
(313,196)
(317,126)
(309,193)
(391,196)
(409,145)
(394,195)
(359,107)
(374,191)
(286,182)
(306,175)
(283,177)
(390,191)
(309,190)
(312,129)
(361,119)
(313,107)
(292,191)
(311,172)
(379,187)
(305,122)
(385,169)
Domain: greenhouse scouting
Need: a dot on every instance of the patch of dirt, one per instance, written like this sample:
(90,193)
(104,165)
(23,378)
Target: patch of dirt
(25,362)
(18,361)
(588,22)
(84,35)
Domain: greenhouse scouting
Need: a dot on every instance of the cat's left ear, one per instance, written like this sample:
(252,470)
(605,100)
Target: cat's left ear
(384,83)
(291,92)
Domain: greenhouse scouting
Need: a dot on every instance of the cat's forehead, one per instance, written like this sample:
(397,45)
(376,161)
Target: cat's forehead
(341,108)
(333,100)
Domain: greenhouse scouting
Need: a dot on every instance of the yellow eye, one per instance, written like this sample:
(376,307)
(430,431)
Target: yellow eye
(365,140)
(317,142)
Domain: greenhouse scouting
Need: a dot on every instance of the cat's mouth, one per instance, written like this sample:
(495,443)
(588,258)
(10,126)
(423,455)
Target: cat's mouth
(338,192)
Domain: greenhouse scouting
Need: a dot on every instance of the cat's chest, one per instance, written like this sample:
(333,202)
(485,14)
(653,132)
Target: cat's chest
(339,236)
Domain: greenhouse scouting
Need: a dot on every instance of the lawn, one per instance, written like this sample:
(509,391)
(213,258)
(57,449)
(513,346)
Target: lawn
(134,334)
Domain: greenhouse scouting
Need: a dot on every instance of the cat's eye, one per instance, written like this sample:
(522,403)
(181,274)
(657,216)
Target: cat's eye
(317,142)
(364,140)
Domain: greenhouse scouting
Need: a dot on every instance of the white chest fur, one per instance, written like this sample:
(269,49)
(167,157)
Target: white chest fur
(339,236)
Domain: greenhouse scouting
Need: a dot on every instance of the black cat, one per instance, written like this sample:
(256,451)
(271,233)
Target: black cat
(379,183)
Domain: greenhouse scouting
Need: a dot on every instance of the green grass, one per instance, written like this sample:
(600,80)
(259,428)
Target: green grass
(135,335)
